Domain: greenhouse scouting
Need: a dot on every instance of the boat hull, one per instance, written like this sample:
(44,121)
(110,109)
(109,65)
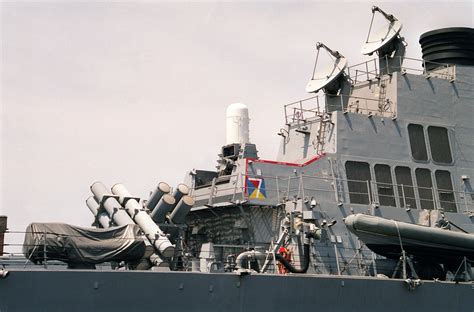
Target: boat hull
(387,237)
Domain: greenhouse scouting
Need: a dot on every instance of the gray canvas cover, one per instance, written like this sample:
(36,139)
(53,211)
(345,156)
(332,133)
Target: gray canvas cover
(74,244)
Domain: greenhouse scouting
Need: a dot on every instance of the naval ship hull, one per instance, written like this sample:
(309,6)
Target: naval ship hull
(394,145)
(29,290)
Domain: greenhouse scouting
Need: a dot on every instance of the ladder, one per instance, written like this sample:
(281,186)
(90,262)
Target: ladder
(383,104)
(273,250)
(337,182)
(321,136)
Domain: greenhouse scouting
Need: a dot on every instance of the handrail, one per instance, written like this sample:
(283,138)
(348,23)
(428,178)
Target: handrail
(288,187)
(17,259)
(370,70)
(295,112)
(298,112)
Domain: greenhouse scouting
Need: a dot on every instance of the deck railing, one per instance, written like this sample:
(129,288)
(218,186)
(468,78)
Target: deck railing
(282,188)
(309,108)
(349,260)
(315,106)
(371,69)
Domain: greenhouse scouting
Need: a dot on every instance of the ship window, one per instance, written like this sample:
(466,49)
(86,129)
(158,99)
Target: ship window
(358,173)
(439,144)
(384,185)
(417,142)
(405,187)
(445,190)
(425,188)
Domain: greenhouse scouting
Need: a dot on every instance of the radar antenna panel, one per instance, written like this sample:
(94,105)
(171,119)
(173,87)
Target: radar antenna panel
(378,40)
(329,75)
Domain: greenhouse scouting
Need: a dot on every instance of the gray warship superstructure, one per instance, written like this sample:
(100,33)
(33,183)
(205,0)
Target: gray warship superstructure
(368,206)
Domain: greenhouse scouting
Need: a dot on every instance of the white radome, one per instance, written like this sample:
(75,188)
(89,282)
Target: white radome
(237,124)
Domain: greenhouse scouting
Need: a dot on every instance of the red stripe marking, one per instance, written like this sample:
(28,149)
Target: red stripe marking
(247,160)
(283,163)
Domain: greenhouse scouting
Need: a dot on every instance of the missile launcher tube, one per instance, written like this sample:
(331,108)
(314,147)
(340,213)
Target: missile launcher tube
(101,216)
(179,191)
(151,230)
(111,205)
(165,205)
(161,189)
(178,216)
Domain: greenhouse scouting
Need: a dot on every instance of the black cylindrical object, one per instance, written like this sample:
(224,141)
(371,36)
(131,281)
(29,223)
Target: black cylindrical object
(453,45)
(290,267)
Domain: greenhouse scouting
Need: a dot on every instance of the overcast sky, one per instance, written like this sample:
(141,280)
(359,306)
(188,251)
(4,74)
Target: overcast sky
(136,92)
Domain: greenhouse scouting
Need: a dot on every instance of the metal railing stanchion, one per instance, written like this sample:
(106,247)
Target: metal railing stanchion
(45,263)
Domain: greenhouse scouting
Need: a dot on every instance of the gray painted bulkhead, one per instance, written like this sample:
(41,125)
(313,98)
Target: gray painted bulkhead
(74,290)
(382,138)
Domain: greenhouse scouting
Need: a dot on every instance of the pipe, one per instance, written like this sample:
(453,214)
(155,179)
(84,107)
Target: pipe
(290,267)
(111,205)
(178,216)
(179,191)
(249,255)
(161,189)
(152,231)
(101,216)
(164,206)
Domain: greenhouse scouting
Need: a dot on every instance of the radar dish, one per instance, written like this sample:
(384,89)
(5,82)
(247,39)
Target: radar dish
(381,38)
(325,77)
